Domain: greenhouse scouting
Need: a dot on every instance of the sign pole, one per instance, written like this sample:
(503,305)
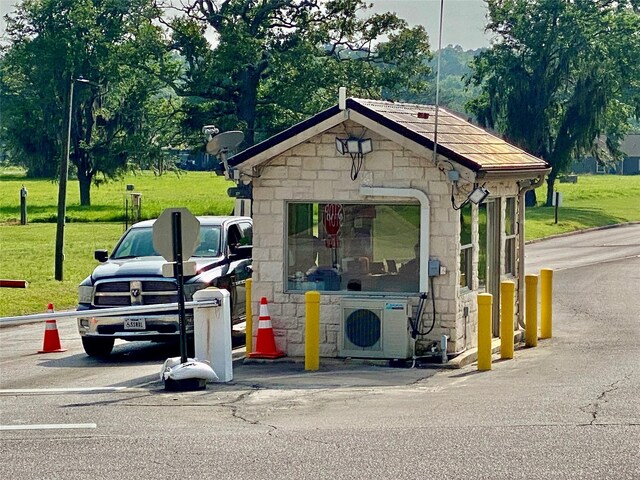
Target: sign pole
(176,230)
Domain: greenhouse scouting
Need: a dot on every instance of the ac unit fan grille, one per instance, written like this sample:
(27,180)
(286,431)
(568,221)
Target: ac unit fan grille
(363,328)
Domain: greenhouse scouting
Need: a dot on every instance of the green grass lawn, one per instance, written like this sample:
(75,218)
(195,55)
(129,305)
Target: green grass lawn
(204,193)
(594,201)
(27,252)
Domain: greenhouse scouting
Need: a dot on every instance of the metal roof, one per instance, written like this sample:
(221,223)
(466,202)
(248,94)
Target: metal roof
(457,139)
(631,145)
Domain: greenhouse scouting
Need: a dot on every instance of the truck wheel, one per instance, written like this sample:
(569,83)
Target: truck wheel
(97,347)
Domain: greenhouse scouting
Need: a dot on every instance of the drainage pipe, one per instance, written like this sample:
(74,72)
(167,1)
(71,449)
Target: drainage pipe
(443,348)
(424,221)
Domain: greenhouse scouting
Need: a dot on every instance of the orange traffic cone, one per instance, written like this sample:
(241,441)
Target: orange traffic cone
(265,343)
(51,339)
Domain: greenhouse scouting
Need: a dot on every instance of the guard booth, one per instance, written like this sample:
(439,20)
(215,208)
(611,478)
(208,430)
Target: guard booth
(398,233)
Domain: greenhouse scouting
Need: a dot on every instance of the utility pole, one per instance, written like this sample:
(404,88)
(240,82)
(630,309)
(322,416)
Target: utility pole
(64,177)
(62,189)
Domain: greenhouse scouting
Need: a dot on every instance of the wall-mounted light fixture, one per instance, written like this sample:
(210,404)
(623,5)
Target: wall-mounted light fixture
(478,195)
(356,148)
(354,145)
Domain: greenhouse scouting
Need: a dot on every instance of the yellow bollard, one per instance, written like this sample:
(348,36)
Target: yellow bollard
(531,311)
(248,329)
(507,292)
(312,331)
(485,300)
(546,302)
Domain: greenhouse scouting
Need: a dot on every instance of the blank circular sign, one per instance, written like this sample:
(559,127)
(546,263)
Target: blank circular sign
(163,235)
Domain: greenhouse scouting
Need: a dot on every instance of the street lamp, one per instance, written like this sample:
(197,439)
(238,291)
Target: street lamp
(62,187)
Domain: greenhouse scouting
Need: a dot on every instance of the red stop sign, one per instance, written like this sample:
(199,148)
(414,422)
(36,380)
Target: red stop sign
(333,217)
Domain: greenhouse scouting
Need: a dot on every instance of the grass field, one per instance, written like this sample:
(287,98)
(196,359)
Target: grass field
(594,201)
(203,193)
(27,252)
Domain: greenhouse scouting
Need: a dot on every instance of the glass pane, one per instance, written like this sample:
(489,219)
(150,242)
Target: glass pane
(465,225)
(482,244)
(465,267)
(137,243)
(209,242)
(353,247)
(510,217)
(510,256)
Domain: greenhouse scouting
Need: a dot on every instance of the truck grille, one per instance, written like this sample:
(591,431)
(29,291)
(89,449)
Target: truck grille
(135,292)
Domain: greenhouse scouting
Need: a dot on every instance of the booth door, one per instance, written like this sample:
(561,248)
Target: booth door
(489,223)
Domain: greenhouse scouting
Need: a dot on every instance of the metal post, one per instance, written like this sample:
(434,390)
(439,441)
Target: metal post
(176,230)
(546,302)
(531,327)
(312,331)
(248,328)
(62,190)
(485,305)
(126,211)
(506,318)
(23,206)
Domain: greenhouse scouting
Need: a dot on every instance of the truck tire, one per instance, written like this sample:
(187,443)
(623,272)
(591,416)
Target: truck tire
(97,347)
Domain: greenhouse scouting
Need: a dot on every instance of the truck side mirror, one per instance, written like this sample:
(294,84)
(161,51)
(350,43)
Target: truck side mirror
(242,251)
(101,255)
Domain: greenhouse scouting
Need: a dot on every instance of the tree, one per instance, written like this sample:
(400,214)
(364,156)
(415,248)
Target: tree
(53,43)
(277,61)
(562,74)
(454,68)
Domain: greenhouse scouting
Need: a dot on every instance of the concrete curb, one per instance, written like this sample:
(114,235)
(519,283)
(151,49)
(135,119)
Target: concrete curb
(465,358)
(471,355)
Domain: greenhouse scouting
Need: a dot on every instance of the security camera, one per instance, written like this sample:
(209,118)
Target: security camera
(210,130)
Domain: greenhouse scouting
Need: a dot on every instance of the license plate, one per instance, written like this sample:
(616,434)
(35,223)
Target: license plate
(134,324)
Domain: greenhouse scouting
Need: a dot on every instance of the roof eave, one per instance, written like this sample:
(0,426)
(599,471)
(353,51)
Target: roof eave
(512,173)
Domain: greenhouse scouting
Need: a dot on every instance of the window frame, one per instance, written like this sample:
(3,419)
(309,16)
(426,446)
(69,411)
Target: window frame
(374,264)
(510,237)
(466,250)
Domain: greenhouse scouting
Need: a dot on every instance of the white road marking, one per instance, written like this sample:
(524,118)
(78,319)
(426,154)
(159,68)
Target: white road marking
(19,391)
(51,426)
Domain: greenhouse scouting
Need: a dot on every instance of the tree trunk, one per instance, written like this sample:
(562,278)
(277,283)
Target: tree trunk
(530,198)
(248,102)
(85,189)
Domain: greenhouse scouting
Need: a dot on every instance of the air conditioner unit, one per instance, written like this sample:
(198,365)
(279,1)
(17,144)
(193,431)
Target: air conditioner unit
(374,328)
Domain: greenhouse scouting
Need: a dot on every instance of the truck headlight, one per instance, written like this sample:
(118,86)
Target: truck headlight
(84,293)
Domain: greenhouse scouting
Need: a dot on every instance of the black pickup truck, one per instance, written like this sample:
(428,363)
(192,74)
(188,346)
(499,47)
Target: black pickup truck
(132,275)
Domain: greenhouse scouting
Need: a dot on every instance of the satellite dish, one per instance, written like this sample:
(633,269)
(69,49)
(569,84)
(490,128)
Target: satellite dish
(225,141)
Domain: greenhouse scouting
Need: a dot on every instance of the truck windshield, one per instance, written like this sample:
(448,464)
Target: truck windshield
(138,242)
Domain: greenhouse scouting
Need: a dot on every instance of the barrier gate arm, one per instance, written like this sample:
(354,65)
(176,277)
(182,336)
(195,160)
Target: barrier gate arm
(107,312)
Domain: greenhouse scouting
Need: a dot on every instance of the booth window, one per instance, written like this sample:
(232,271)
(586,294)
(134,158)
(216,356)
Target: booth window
(482,246)
(352,247)
(510,237)
(466,247)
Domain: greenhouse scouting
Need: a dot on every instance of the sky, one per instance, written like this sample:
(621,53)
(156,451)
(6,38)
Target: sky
(463,20)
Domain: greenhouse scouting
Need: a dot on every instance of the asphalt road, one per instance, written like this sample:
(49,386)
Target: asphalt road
(590,248)
(568,408)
